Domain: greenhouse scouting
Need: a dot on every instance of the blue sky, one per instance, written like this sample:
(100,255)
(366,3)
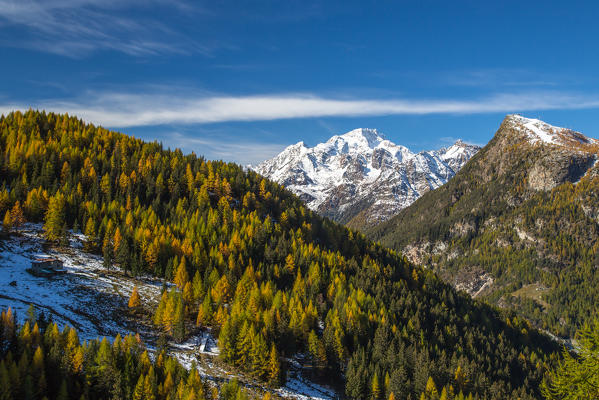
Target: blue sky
(241,80)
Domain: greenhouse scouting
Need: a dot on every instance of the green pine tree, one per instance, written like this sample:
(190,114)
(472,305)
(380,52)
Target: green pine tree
(577,376)
(179,319)
(274,368)
(375,387)
(107,255)
(54,225)
(227,342)
(244,344)
(259,357)
(138,392)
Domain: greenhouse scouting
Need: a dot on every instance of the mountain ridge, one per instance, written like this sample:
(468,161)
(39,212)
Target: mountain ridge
(361,175)
(518,224)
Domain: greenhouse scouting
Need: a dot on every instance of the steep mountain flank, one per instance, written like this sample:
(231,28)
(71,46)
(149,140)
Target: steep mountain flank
(277,284)
(517,225)
(361,178)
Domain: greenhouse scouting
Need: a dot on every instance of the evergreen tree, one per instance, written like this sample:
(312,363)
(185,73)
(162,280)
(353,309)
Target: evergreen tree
(117,239)
(138,392)
(54,225)
(577,375)
(444,395)
(188,293)
(150,385)
(179,320)
(16,213)
(375,387)
(431,392)
(152,257)
(244,344)
(5,383)
(123,255)
(107,254)
(317,351)
(159,313)
(7,223)
(181,277)
(134,301)
(227,340)
(205,312)
(198,286)
(290,264)
(274,369)
(259,355)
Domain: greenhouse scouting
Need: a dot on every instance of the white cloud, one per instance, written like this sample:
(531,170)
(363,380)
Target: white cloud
(75,28)
(146,109)
(500,77)
(240,151)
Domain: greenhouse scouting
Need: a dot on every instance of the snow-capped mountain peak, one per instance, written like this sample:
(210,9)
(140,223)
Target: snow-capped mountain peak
(360,137)
(540,132)
(363,172)
(355,141)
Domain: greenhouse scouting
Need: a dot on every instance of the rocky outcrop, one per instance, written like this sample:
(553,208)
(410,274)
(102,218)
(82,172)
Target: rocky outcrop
(560,167)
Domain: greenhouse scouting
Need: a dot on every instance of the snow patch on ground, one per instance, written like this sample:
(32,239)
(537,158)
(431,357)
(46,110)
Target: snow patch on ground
(541,132)
(299,387)
(92,299)
(82,297)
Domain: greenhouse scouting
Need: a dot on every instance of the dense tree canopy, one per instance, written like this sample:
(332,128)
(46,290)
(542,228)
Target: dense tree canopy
(273,279)
(577,375)
(39,361)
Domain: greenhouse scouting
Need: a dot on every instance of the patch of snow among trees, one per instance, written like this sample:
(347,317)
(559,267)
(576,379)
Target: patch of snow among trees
(93,300)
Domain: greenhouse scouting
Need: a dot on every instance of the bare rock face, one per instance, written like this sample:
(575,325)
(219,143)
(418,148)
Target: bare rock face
(474,281)
(559,155)
(362,176)
(550,172)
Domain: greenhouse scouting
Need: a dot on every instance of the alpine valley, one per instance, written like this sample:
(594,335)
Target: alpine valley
(360,178)
(213,282)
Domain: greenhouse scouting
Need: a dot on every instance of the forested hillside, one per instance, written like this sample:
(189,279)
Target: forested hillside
(39,361)
(251,261)
(521,216)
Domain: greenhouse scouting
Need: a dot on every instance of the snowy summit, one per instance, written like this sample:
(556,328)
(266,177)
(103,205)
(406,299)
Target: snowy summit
(541,132)
(363,173)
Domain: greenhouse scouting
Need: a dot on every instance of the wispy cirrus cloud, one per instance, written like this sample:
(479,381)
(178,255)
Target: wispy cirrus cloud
(147,109)
(75,28)
(503,77)
(245,152)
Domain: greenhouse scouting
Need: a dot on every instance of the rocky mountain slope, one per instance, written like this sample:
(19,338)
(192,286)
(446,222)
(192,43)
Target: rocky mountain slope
(518,224)
(360,177)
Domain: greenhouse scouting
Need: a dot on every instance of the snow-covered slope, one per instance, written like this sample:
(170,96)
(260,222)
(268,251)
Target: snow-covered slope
(363,173)
(94,301)
(542,133)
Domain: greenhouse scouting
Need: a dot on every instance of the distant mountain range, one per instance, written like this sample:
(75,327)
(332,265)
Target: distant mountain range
(360,178)
(517,225)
